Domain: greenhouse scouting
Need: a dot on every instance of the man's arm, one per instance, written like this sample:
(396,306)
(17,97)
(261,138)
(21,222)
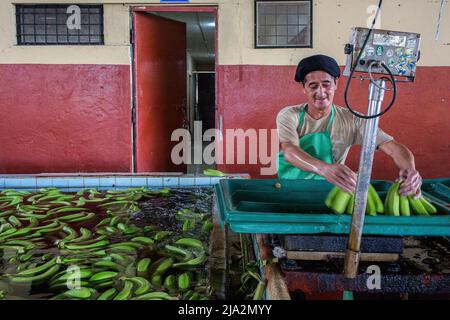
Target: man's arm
(337,174)
(404,160)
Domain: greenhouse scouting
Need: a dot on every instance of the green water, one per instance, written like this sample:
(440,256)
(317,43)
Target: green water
(93,244)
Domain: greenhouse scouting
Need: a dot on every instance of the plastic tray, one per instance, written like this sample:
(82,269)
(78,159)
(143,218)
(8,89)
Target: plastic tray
(257,206)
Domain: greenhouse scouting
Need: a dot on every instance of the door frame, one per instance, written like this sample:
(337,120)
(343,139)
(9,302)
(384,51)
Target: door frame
(165,8)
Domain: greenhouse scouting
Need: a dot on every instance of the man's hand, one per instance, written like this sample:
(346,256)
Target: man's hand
(340,175)
(412,182)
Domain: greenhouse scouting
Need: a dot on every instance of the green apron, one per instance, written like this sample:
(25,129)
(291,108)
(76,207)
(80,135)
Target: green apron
(317,144)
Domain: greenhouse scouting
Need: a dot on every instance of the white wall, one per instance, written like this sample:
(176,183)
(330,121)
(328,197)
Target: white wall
(332,21)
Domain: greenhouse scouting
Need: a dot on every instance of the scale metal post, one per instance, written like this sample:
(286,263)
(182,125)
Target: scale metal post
(374,51)
(376,95)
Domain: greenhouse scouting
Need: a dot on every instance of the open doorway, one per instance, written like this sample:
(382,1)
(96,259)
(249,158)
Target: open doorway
(174,67)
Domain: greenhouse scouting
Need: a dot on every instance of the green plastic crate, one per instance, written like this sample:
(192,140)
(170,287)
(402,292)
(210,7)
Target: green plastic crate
(298,207)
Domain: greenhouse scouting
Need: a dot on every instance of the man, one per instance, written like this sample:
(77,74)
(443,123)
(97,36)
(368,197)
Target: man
(316,136)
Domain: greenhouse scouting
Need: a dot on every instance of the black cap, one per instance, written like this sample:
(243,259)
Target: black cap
(315,63)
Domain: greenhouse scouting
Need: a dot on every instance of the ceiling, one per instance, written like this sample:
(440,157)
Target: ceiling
(200,28)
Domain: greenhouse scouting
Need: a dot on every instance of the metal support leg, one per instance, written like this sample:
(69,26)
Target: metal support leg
(351,262)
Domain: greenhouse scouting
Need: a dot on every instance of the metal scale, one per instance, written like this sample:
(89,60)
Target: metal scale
(387,53)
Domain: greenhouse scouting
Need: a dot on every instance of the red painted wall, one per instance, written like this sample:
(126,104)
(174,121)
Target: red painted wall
(65,118)
(251,96)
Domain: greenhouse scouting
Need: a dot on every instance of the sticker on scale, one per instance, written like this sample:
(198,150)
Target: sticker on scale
(370,51)
(409,52)
(411,43)
(391,63)
(389,53)
(379,50)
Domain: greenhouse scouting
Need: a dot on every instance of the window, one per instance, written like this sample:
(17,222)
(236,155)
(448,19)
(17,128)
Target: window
(54,25)
(283,24)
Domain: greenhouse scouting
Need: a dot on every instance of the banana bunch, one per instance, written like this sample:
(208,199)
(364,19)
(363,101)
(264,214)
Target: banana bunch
(342,202)
(397,205)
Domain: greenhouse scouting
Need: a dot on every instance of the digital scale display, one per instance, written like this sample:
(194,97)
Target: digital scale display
(397,50)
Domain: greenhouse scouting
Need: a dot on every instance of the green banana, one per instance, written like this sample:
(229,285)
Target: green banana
(69,217)
(340,201)
(131,230)
(207,225)
(183,281)
(15,233)
(38,269)
(394,200)
(404,206)
(143,240)
(162,265)
(14,221)
(156,280)
(71,234)
(110,229)
(427,205)
(108,264)
(142,267)
(195,296)
(103,276)
(114,221)
(27,245)
(85,235)
(105,284)
(148,229)
(417,206)
(25,257)
(64,203)
(330,197)
(121,226)
(351,203)
(378,203)
(35,278)
(98,244)
(186,226)
(126,291)
(169,282)
(371,207)
(6,213)
(161,235)
(33,222)
(123,248)
(154,295)
(193,262)
(118,257)
(128,243)
(190,242)
(80,293)
(105,221)
(108,294)
(186,255)
(85,217)
(213,173)
(143,285)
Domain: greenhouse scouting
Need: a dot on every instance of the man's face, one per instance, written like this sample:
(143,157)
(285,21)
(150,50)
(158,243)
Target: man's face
(319,88)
